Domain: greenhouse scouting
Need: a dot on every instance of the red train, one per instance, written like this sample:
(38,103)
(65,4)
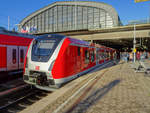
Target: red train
(53,60)
(13,48)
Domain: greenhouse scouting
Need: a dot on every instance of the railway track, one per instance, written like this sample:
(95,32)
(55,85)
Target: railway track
(13,100)
(26,96)
(20,100)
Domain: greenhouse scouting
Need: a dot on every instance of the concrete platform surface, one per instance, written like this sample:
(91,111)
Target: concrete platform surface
(117,89)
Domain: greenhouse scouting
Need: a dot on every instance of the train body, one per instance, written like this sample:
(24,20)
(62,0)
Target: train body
(13,48)
(53,60)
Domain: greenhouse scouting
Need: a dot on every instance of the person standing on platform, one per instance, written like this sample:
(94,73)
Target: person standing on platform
(126,56)
(138,56)
(131,56)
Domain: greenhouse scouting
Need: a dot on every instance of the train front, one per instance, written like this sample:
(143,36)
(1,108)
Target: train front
(40,59)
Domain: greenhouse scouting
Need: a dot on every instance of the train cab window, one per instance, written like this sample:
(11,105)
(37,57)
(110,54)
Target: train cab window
(14,56)
(78,51)
(21,56)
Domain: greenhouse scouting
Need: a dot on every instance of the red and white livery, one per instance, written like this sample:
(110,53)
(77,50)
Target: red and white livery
(53,60)
(13,48)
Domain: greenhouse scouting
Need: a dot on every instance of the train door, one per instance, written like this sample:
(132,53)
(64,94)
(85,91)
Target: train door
(82,58)
(3,57)
(22,53)
(12,58)
(78,59)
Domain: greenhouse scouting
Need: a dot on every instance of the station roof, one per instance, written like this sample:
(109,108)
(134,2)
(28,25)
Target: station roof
(101,5)
(117,37)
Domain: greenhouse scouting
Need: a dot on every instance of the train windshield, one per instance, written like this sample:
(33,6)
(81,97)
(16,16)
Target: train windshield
(44,47)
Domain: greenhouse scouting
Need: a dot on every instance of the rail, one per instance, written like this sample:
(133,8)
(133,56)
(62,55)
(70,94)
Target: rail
(18,98)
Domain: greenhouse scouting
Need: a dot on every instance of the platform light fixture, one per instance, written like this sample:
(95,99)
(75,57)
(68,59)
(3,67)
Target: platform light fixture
(134,40)
(140,1)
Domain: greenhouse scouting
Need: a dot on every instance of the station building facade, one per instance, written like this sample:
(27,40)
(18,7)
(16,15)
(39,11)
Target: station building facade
(71,15)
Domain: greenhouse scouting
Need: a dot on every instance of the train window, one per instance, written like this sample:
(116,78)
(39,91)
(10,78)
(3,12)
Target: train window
(107,54)
(92,56)
(103,55)
(97,54)
(86,56)
(14,56)
(100,56)
(78,51)
(21,56)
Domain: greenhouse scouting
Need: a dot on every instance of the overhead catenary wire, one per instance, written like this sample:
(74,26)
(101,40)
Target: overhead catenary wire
(8,22)
(11,18)
(4,25)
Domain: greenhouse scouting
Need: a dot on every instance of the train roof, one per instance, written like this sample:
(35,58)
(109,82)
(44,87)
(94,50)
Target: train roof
(14,38)
(74,41)
(51,36)
(58,36)
(13,33)
(80,42)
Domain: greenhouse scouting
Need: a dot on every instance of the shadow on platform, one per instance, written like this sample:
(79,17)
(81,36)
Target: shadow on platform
(83,105)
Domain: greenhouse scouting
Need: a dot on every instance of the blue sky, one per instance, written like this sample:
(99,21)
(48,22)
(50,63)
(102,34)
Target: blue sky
(19,9)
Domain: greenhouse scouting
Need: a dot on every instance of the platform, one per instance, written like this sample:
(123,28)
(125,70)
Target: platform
(116,89)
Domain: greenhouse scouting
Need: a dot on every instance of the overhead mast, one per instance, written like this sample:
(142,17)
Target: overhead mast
(8,23)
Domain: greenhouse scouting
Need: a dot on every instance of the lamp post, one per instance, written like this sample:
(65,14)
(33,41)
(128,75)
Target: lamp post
(8,23)
(134,43)
(75,18)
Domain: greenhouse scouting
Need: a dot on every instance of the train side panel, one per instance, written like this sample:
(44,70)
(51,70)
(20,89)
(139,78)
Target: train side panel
(12,57)
(73,60)
(59,67)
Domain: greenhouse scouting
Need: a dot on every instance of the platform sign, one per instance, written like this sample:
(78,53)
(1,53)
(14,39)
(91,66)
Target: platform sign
(134,50)
(140,1)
